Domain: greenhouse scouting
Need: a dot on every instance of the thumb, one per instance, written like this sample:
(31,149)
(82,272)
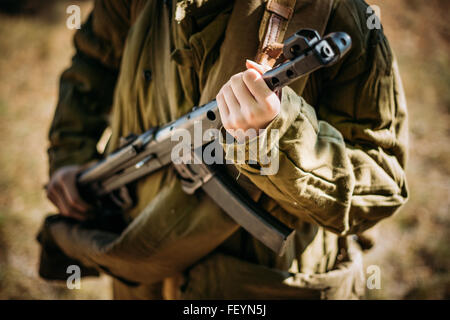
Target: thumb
(256,66)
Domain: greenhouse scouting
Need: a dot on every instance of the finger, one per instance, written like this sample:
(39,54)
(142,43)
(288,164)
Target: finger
(241,92)
(258,87)
(223,108)
(49,188)
(54,196)
(53,199)
(248,103)
(73,198)
(256,66)
(232,103)
(65,207)
(62,208)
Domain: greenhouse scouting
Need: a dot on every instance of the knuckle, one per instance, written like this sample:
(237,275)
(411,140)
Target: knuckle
(227,88)
(249,76)
(236,76)
(236,79)
(59,179)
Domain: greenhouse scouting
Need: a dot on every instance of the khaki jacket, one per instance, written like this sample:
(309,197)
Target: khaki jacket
(342,147)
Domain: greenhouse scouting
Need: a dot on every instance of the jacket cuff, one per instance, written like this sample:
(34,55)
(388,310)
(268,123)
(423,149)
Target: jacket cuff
(252,150)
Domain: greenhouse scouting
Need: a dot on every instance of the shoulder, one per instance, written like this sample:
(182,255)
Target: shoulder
(350,16)
(369,44)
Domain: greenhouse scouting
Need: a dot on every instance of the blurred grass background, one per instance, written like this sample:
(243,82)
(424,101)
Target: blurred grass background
(412,249)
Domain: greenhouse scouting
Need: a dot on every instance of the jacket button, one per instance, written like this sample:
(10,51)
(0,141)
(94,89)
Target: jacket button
(147,75)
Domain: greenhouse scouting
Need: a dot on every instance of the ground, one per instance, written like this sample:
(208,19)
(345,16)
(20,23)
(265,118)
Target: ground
(412,249)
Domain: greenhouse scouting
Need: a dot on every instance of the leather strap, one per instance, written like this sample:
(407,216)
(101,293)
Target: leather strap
(272,30)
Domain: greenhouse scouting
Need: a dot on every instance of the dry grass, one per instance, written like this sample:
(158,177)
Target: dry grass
(412,248)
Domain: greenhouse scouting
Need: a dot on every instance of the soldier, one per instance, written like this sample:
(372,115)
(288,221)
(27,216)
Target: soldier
(342,145)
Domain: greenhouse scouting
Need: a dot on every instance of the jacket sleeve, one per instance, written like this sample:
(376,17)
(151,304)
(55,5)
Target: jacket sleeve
(340,163)
(86,87)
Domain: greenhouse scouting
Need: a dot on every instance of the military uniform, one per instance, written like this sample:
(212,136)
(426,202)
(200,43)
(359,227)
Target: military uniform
(342,146)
